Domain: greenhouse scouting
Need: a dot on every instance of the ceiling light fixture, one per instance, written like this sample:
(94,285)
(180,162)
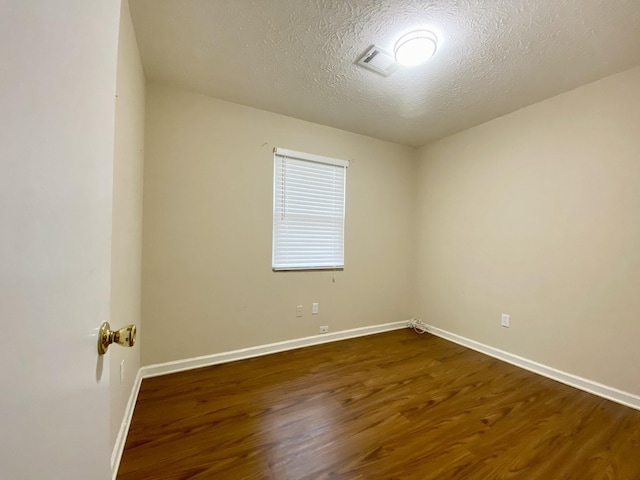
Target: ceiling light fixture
(415,47)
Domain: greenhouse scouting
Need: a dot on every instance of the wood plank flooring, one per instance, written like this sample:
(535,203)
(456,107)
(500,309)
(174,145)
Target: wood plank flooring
(396,405)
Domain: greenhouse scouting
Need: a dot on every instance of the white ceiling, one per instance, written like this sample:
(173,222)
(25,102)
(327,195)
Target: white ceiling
(296,57)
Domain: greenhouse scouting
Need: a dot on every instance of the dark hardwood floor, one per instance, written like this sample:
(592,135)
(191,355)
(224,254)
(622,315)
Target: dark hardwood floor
(388,406)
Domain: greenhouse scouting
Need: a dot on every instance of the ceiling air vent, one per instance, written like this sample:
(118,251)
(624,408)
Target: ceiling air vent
(378,60)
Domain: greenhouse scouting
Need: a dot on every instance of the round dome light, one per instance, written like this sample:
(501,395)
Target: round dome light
(415,47)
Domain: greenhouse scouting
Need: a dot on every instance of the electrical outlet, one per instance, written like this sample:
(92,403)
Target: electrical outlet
(314,309)
(122,371)
(299,311)
(505,320)
(324,329)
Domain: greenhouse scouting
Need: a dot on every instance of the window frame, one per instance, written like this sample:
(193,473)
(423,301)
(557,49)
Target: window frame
(278,263)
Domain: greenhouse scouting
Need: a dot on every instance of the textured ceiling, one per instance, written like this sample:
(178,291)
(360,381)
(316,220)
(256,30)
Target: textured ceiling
(296,57)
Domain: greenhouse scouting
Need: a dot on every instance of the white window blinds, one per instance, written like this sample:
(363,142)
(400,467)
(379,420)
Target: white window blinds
(308,211)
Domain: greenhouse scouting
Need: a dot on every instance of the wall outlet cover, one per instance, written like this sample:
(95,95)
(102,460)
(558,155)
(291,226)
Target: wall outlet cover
(324,329)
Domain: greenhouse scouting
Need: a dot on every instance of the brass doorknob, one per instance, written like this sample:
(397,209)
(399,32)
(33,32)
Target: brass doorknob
(126,337)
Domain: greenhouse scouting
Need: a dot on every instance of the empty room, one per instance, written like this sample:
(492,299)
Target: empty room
(288,239)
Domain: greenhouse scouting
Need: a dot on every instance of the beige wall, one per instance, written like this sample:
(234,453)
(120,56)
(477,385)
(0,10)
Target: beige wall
(533,214)
(127,214)
(536,214)
(207,280)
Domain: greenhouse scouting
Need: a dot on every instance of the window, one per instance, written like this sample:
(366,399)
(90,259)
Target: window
(308,211)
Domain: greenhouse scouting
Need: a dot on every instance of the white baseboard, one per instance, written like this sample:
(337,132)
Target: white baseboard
(250,352)
(118,448)
(610,393)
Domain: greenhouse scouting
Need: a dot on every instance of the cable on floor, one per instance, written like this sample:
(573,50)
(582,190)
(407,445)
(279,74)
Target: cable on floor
(418,325)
